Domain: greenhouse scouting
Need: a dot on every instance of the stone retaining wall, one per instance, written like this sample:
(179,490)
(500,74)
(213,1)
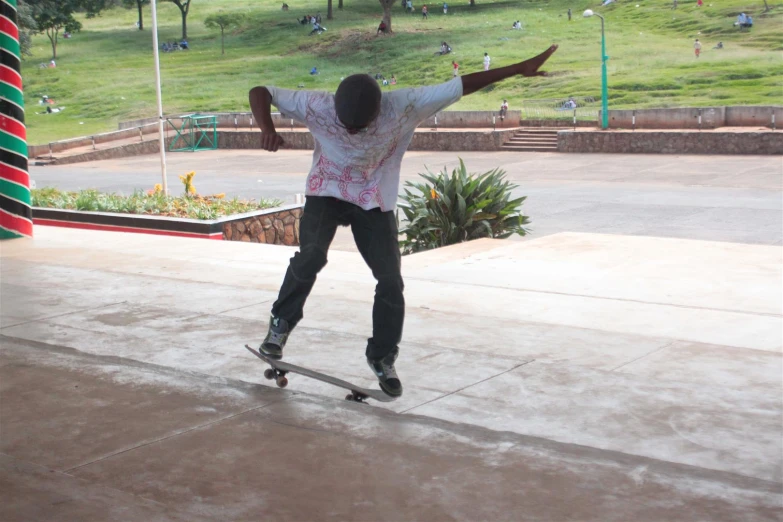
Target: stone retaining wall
(764,142)
(442,140)
(274,228)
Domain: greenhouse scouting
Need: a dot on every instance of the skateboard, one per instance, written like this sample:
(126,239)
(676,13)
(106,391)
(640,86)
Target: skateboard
(279,369)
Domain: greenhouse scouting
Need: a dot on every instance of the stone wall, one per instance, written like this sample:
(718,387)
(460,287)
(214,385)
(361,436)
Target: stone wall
(651,142)
(442,140)
(279,227)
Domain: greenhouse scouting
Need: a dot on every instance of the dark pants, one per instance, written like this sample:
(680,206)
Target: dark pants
(375,233)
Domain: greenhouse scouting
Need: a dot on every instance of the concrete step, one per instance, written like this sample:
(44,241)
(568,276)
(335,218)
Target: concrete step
(523,141)
(523,148)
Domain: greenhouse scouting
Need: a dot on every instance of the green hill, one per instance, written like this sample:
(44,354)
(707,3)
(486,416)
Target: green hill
(105,74)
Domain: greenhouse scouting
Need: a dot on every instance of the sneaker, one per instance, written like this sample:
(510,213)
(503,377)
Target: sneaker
(387,376)
(275,338)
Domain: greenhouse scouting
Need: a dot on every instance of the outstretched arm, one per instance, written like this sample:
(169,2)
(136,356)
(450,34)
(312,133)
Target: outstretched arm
(476,81)
(261,105)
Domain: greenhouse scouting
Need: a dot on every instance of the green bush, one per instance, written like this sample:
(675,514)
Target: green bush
(457,207)
(153,202)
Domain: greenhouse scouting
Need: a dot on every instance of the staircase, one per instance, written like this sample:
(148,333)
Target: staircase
(533,140)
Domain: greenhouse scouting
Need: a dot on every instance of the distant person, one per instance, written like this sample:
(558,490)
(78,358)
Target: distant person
(184,45)
(719,46)
(381,28)
(424,11)
(674,4)
(697,47)
(569,14)
(393,80)
(409,6)
(486,61)
(444,49)
(699,3)
(445,8)
(52,64)
(503,110)
(516,25)
(314,70)
(455,67)
(318,18)
(285,7)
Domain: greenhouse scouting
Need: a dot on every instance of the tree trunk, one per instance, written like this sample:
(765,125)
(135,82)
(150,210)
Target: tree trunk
(184,25)
(339,4)
(222,46)
(766,6)
(329,10)
(472,3)
(387,5)
(141,19)
(52,34)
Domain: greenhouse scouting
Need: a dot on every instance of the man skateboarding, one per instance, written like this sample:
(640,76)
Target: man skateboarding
(360,137)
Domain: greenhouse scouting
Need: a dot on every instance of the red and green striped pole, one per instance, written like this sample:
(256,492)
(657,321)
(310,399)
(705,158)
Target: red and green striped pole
(16,217)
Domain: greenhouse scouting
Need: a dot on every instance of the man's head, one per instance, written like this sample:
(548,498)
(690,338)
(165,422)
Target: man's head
(357,102)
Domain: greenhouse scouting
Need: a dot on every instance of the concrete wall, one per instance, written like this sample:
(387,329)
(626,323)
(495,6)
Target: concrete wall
(35,151)
(765,142)
(754,116)
(423,140)
(688,118)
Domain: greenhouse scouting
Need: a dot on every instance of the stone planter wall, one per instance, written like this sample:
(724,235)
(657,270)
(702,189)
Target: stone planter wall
(274,228)
(653,142)
(442,140)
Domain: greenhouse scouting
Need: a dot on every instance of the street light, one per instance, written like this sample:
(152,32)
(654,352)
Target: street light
(604,92)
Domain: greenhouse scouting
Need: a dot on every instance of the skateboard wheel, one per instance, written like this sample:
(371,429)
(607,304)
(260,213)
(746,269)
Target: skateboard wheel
(269,374)
(282,382)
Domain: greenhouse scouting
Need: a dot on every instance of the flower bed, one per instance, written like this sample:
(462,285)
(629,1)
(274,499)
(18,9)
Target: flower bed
(153,203)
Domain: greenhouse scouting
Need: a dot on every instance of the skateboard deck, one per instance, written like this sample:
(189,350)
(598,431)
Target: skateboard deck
(279,369)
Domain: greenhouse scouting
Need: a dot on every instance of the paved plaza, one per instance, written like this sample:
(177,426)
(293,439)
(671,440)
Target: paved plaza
(624,362)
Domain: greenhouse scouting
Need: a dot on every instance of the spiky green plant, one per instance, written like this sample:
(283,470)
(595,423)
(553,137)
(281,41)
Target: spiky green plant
(452,208)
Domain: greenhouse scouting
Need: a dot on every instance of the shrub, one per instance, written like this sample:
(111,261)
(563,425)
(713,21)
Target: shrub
(153,202)
(449,209)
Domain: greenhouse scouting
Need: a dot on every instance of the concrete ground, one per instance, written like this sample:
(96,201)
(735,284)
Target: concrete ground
(572,376)
(716,198)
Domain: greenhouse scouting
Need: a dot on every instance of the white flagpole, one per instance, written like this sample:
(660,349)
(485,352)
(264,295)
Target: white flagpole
(161,137)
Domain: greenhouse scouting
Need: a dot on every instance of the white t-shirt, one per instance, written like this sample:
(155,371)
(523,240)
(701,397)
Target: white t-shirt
(486,60)
(363,168)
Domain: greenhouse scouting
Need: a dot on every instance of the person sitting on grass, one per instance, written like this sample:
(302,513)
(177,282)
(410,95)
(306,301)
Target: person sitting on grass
(314,70)
(444,49)
(361,135)
(719,46)
(393,80)
(381,28)
(516,25)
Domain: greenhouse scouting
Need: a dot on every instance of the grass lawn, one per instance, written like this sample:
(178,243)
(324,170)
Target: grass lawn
(104,73)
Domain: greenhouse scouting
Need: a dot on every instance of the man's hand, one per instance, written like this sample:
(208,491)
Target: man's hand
(477,81)
(271,140)
(530,67)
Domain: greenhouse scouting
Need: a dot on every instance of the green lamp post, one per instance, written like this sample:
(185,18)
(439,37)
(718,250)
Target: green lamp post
(604,92)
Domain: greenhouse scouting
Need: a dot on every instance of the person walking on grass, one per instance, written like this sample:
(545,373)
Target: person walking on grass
(360,135)
(697,47)
(424,12)
(486,61)
(455,67)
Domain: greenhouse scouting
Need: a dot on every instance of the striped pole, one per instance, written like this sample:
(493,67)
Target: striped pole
(16,217)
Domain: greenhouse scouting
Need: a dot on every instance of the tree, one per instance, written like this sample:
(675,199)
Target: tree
(339,4)
(184,7)
(138,5)
(329,10)
(224,21)
(27,26)
(387,7)
(53,16)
